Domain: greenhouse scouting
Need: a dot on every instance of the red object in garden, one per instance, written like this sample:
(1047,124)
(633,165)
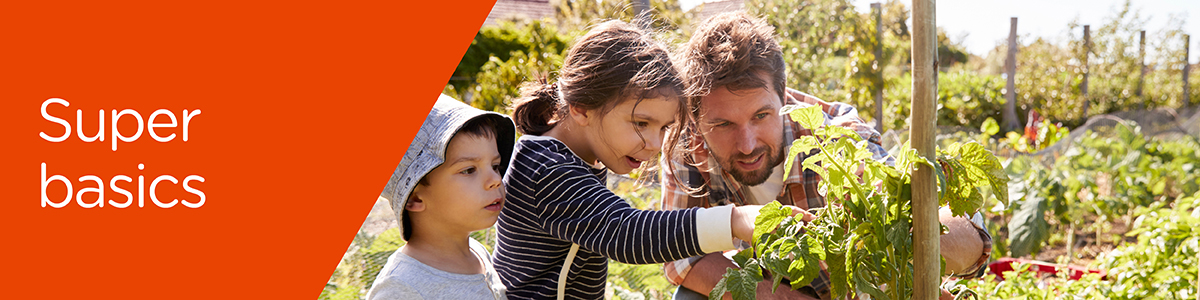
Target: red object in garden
(1031,127)
(1042,268)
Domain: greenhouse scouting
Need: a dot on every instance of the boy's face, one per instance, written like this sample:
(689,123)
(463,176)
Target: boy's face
(633,132)
(464,193)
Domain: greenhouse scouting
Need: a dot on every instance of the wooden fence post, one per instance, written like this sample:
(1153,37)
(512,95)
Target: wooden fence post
(926,229)
(878,10)
(1187,68)
(1087,45)
(1010,67)
(1142,64)
(640,6)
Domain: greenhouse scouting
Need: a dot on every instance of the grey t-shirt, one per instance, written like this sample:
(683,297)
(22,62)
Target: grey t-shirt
(406,278)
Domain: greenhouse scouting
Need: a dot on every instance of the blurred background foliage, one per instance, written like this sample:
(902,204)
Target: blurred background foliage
(829,46)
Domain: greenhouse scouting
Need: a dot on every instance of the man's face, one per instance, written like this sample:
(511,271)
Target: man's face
(744,131)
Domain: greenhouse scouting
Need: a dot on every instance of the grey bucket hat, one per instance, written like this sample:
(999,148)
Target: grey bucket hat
(428,150)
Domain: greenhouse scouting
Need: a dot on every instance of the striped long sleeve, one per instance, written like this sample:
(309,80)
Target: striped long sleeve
(554,199)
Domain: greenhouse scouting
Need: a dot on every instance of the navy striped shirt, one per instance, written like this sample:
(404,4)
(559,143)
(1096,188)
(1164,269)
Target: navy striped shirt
(555,199)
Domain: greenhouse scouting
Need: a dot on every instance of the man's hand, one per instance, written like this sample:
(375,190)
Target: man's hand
(742,222)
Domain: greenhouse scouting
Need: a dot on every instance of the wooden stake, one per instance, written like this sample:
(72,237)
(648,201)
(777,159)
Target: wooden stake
(1187,68)
(640,6)
(1142,63)
(878,65)
(1010,67)
(1087,45)
(926,228)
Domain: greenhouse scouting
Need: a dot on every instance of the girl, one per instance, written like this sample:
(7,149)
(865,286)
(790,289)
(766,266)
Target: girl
(616,97)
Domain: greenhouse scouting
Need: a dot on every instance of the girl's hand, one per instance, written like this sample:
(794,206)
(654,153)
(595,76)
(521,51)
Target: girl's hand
(742,222)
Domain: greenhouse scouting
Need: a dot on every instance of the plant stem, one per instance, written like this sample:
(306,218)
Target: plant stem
(853,183)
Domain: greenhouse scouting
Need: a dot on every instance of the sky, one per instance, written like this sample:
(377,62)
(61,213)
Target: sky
(980,24)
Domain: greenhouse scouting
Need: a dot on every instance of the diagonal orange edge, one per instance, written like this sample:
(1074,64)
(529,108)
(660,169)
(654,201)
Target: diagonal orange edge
(306,109)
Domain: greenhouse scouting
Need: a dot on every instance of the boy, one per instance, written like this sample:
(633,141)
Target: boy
(447,185)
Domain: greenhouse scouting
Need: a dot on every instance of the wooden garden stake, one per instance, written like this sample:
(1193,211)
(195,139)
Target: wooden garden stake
(1010,67)
(878,66)
(1087,45)
(1142,64)
(1187,68)
(926,228)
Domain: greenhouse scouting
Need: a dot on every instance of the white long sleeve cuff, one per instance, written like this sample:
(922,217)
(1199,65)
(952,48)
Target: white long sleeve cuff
(714,229)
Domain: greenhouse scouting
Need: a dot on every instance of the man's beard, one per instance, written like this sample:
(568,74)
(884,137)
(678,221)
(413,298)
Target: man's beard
(756,177)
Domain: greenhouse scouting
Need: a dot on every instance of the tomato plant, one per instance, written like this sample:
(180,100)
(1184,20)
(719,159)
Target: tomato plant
(864,235)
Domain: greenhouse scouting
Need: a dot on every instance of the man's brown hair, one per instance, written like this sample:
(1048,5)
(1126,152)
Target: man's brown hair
(729,50)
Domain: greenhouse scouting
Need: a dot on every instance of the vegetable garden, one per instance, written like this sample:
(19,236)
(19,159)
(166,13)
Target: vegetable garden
(1096,206)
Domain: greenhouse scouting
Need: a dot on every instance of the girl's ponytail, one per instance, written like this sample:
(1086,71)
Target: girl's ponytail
(537,107)
(613,62)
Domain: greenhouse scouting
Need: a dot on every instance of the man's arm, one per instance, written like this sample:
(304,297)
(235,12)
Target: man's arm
(961,246)
(707,272)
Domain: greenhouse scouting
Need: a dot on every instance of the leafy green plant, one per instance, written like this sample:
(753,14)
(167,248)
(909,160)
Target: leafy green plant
(1103,177)
(1161,264)
(1020,283)
(505,55)
(864,235)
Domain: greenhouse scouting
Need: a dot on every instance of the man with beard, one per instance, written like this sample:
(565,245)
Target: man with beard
(734,72)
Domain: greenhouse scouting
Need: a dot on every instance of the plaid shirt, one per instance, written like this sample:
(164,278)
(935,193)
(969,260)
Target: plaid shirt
(719,188)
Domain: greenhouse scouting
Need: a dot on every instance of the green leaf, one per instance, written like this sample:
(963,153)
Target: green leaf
(809,117)
(804,144)
(868,287)
(768,219)
(806,264)
(943,183)
(743,285)
(786,244)
(838,281)
(837,132)
(1028,227)
(743,258)
(985,167)
(778,268)
(958,193)
(990,127)
(719,290)
(810,163)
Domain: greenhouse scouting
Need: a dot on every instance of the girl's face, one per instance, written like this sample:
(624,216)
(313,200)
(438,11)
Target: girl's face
(632,132)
